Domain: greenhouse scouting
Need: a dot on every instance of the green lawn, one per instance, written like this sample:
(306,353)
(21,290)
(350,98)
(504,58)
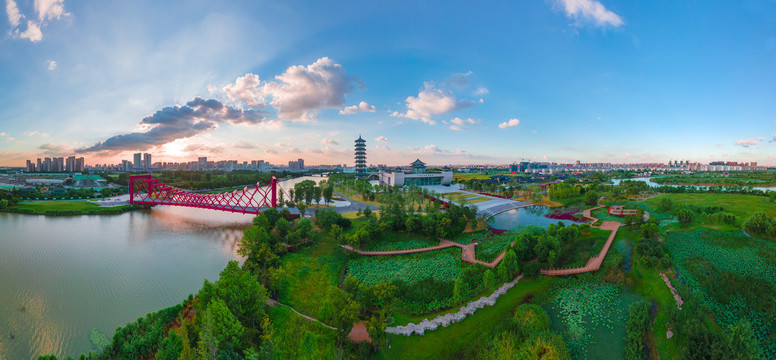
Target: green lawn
(41,206)
(743,206)
(447,342)
(67,207)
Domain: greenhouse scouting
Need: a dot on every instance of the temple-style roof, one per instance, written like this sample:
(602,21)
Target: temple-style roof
(360,140)
(418,163)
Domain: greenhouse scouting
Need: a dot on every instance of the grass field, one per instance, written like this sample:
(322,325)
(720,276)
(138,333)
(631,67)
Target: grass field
(310,272)
(448,342)
(41,206)
(299,338)
(743,206)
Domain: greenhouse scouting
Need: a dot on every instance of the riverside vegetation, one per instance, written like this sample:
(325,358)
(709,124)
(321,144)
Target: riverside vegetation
(623,310)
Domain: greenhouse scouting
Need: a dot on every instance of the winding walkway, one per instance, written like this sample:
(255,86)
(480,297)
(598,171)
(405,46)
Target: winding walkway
(468,253)
(595,262)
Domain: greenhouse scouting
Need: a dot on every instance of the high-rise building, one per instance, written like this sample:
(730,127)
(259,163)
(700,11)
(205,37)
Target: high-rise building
(30,166)
(58,164)
(138,164)
(147,162)
(39,168)
(46,164)
(300,163)
(70,164)
(79,164)
(202,163)
(360,156)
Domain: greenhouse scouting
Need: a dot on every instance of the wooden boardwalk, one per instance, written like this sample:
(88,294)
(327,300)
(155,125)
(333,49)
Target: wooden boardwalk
(595,262)
(468,253)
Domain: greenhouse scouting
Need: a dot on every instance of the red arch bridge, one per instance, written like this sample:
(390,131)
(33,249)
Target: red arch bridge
(146,190)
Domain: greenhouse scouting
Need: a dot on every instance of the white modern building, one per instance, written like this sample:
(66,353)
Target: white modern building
(418,176)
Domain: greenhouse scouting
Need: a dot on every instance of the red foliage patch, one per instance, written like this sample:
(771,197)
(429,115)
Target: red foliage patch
(565,214)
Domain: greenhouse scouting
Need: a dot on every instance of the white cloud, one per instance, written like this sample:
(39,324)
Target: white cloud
(432,101)
(313,150)
(37,133)
(481,91)
(246,90)
(299,93)
(534,131)
(271,151)
(510,123)
(32,33)
(719,144)
(50,9)
(381,139)
(361,107)
(383,147)
(328,141)
(52,65)
(459,124)
(747,142)
(760,138)
(589,11)
(14,16)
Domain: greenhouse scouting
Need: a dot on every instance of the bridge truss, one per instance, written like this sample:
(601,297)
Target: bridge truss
(146,190)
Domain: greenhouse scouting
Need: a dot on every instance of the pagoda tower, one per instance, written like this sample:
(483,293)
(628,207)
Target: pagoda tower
(360,158)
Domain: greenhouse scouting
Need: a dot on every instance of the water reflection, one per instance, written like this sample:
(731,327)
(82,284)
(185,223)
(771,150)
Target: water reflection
(530,215)
(73,274)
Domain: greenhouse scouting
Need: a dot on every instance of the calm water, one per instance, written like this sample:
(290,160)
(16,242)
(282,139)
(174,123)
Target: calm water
(73,274)
(530,215)
(649,182)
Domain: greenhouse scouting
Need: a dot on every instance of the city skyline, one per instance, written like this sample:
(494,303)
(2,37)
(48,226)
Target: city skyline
(451,83)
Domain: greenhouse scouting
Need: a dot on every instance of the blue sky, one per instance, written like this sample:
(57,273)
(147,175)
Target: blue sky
(448,82)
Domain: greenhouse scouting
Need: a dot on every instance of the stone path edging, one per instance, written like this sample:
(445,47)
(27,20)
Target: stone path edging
(447,319)
(677,297)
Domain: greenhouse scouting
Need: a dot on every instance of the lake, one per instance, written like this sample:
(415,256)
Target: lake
(77,273)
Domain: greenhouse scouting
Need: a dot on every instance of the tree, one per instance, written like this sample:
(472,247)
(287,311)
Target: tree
(325,218)
(367,212)
(345,309)
(3,204)
(666,203)
(685,216)
(328,192)
(531,319)
(304,229)
(283,227)
(170,348)
(335,234)
(253,236)
(591,198)
(240,291)
(459,290)
(489,279)
(545,346)
(302,208)
(412,224)
(272,216)
(758,223)
(221,326)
